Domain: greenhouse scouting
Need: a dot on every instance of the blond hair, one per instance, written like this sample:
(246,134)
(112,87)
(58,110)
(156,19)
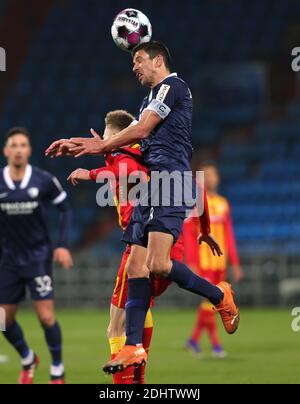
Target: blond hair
(119,119)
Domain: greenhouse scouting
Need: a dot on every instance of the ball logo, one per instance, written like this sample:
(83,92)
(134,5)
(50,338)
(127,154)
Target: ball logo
(128,20)
(2,60)
(33,192)
(131,13)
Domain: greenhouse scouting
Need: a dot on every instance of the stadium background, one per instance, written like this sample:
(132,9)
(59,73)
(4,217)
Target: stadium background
(64,73)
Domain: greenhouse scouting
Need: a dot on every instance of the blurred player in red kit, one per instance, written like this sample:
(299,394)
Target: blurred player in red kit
(209,266)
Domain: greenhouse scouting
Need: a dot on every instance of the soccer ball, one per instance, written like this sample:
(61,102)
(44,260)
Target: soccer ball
(130,28)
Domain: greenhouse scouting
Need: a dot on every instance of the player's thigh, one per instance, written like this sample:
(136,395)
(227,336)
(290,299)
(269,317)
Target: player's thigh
(116,326)
(40,284)
(10,311)
(45,311)
(136,265)
(12,286)
(158,254)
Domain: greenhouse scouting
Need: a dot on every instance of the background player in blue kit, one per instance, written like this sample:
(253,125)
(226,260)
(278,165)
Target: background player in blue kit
(26,253)
(164,129)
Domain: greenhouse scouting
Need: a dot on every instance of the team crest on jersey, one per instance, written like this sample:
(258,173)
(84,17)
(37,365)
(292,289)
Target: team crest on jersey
(162,93)
(115,154)
(33,192)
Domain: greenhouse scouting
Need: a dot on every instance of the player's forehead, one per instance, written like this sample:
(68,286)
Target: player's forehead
(17,139)
(211,170)
(140,55)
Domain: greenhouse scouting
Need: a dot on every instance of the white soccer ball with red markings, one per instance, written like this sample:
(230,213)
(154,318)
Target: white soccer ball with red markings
(130,28)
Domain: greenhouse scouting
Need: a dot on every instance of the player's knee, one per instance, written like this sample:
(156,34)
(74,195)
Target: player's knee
(136,270)
(9,317)
(9,320)
(47,320)
(158,266)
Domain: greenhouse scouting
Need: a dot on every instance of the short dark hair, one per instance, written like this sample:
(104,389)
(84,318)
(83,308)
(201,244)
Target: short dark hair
(16,130)
(154,48)
(119,119)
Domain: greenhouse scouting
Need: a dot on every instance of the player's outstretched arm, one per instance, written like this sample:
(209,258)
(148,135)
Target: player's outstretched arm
(80,174)
(128,136)
(62,255)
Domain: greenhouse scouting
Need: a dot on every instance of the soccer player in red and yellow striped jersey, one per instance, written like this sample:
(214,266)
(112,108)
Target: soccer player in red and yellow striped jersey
(132,160)
(212,267)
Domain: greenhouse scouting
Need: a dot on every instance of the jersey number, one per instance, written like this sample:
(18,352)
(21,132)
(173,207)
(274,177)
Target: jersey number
(43,285)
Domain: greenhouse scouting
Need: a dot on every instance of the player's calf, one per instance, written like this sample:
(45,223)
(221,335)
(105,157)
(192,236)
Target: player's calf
(53,338)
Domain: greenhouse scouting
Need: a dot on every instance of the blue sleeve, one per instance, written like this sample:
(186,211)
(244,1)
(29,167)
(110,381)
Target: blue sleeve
(58,197)
(55,192)
(65,224)
(166,98)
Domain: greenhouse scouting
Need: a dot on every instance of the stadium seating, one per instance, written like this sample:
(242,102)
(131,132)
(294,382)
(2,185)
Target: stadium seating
(74,74)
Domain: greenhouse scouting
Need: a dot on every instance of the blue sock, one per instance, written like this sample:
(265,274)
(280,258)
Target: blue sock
(138,303)
(54,340)
(15,336)
(187,279)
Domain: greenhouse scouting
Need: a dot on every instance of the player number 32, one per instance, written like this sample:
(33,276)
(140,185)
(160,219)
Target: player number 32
(43,285)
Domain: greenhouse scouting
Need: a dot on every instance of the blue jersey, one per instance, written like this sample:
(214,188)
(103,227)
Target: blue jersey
(169,146)
(23,212)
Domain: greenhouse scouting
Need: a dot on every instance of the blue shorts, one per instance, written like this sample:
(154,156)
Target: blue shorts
(162,218)
(14,281)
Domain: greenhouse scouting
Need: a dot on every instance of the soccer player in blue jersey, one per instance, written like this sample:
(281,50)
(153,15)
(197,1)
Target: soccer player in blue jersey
(164,130)
(26,253)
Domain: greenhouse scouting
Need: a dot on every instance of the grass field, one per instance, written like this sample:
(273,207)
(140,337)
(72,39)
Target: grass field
(265,350)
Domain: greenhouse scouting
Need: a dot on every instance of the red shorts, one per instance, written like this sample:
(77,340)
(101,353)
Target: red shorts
(159,285)
(213,276)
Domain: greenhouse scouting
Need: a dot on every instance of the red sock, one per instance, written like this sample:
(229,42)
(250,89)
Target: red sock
(139,373)
(125,377)
(200,324)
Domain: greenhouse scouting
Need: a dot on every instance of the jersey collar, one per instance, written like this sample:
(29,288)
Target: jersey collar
(25,181)
(170,75)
